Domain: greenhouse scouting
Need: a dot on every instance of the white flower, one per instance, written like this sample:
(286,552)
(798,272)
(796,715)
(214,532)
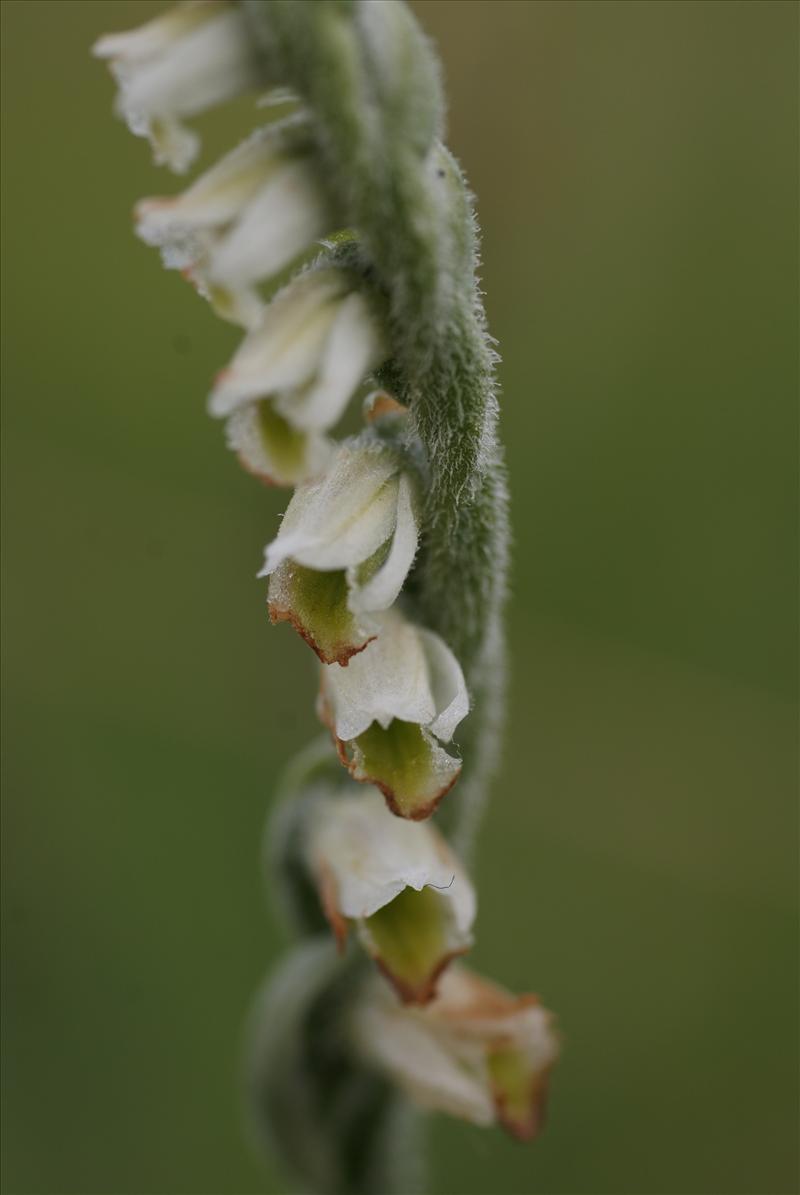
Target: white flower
(294,373)
(312,347)
(476,1051)
(390,709)
(406,891)
(344,549)
(242,221)
(183,62)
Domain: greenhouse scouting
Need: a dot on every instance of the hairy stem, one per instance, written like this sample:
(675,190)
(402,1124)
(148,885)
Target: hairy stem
(370,81)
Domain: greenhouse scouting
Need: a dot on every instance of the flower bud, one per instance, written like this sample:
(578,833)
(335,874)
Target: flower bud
(344,549)
(242,221)
(177,65)
(410,898)
(475,1051)
(391,708)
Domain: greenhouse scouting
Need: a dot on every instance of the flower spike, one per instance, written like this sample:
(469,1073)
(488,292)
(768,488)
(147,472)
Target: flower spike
(392,300)
(399,882)
(177,65)
(390,710)
(344,549)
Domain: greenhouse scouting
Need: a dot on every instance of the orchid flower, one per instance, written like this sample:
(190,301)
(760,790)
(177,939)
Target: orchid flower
(476,1051)
(344,549)
(390,710)
(294,373)
(398,882)
(242,221)
(179,64)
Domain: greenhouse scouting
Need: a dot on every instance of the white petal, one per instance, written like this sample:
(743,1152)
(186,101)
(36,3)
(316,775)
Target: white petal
(284,349)
(342,519)
(208,60)
(210,63)
(154,37)
(354,347)
(284,218)
(389,679)
(447,684)
(375,855)
(215,198)
(174,144)
(243,306)
(181,248)
(406,1044)
(381,590)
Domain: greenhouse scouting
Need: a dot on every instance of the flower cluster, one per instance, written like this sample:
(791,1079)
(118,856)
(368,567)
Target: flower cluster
(392,693)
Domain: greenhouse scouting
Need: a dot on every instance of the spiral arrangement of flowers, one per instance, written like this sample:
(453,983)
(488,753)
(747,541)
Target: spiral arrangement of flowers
(390,560)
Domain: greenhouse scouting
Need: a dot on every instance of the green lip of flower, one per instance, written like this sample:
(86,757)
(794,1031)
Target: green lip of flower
(315,604)
(398,882)
(405,762)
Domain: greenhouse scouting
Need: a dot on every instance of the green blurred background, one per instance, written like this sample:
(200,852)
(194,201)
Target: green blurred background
(636,169)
